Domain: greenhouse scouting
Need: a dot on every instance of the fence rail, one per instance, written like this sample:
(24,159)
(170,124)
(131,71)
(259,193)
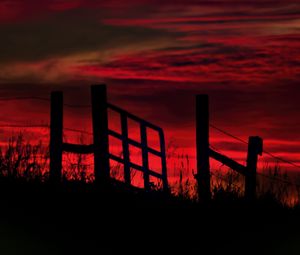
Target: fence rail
(100,146)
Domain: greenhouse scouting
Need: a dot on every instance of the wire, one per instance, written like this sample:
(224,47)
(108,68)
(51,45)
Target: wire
(24,126)
(41,99)
(214,148)
(260,174)
(281,159)
(88,106)
(228,134)
(267,152)
(23,98)
(43,126)
(78,131)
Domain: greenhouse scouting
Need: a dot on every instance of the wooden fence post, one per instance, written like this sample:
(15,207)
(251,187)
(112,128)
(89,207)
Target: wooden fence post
(100,133)
(145,156)
(255,148)
(125,146)
(56,136)
(202,146)
(163,161)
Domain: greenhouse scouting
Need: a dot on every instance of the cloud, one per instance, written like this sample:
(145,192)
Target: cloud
(233,60)
(155,58)
(68,33)
(46,50)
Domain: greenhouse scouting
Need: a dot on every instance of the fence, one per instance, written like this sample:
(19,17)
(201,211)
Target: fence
(100,146)
(204,152)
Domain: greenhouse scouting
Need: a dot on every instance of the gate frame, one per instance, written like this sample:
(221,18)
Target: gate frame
(100,146)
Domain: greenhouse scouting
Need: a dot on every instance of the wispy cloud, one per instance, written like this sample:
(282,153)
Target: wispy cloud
(244,54)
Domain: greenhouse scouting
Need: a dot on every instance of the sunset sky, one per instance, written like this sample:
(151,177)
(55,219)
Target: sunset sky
(154,57)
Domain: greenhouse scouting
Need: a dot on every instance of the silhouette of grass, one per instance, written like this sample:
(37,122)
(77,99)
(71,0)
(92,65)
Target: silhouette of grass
(23,161)
(80,216)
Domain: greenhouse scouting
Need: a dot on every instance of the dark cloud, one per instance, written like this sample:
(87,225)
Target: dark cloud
(249,68)
(255,110)
(67,33)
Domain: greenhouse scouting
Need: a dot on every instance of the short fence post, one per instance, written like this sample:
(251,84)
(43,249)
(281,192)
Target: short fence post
(56,136)
(100,133)
(255,148)
(163,160)
(125,146)
(202,146)
(145,156)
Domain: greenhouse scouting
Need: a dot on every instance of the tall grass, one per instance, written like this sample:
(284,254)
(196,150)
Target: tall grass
(20,159)
(274,185)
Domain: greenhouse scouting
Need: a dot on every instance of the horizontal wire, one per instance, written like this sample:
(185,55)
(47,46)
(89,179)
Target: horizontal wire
(228,134)
(42,99)
(78,131)
(43,126)
(23,98)
(244,142)
(281,159)
(85,132)
(89,133)
(263,175)
(23,126)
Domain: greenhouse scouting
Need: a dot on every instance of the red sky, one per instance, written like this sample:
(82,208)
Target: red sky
(154,58)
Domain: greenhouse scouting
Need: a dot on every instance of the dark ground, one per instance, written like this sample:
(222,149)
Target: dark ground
(80,219)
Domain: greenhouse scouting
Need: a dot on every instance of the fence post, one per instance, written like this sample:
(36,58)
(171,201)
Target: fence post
(255,148)
(163,161)
(202,147)
(145,156)
(56,136)
(100,133)
(125,145)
